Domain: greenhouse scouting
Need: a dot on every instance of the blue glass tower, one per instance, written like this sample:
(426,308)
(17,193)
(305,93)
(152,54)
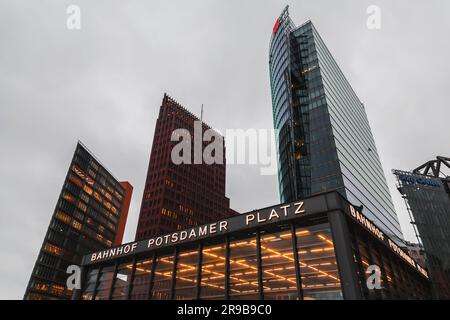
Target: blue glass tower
(324,139)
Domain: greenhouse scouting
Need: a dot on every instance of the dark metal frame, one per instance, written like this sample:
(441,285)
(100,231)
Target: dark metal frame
(434,166)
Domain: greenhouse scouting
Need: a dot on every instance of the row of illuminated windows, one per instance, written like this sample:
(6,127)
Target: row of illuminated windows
(152,278)
(52,288)
(169,213)
(83,205)
(86,161)
(88,188)
(102,235)
(77,225)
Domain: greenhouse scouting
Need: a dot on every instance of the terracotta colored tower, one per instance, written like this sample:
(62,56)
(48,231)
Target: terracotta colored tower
(178,196)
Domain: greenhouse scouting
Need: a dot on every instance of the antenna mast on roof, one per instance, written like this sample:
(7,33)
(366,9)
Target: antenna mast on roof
(201,114)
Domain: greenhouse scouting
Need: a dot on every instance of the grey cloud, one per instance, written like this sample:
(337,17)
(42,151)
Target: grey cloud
(103,85)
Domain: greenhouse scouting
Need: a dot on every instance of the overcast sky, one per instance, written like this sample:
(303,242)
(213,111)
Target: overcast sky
(103,84)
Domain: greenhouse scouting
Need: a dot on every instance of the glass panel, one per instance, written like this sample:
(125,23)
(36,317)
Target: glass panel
(318,268)
(141,280)
(186,280)
(213,272)
(162,282)
(279,278)
(243,269)
(91,278)
(122,280)
(104,283)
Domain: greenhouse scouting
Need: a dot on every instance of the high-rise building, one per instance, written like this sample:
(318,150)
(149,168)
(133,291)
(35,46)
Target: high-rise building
(325,141)
(426,191)
(178,196)
(90,215)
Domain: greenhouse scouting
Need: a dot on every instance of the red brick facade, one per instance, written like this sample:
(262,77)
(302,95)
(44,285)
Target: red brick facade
(179,196)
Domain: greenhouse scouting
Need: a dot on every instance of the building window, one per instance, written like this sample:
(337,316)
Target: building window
(186,275)
(162,281)
(57,251)
(318,267)
(75,180)
(278,266)
(141,281)
(88,190)
(57,289)
(91,279)
(104,283)
(63,217)
(213,272)
(243,276)
(40,286)
(82,206)
(69,197)
(122,280)
(76,225)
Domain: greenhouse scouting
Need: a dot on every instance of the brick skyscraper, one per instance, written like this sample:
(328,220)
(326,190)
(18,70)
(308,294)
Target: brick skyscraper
(179,196)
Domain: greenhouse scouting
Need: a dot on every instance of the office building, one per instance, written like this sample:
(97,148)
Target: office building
(178,196)
(325,142)
(311,249)
(90,215)
(426,191)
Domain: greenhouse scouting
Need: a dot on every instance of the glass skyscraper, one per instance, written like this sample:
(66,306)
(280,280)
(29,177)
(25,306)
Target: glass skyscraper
(325,141)
(90,215)
(426,191)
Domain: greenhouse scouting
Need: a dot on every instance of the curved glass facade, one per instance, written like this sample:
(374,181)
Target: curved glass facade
(325,141)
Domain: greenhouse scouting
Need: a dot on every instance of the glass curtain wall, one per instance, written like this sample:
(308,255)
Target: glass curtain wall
(267,269)
(186,275)
(278,265)
(213,272)
(162,279)
(122,280)
(141,282)
(318,267)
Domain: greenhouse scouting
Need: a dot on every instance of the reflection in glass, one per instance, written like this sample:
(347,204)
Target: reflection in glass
(91,279)
(104,283)
(122,280)
(279,279)
(243,269)
(141,280)
(213,272)
(186,277)
(162,282)
(318,268)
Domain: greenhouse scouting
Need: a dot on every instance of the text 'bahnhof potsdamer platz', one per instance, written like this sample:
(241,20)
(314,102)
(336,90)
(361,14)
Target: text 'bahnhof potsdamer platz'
(318,248)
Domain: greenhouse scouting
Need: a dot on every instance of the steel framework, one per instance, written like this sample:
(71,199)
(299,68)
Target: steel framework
(433,167)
